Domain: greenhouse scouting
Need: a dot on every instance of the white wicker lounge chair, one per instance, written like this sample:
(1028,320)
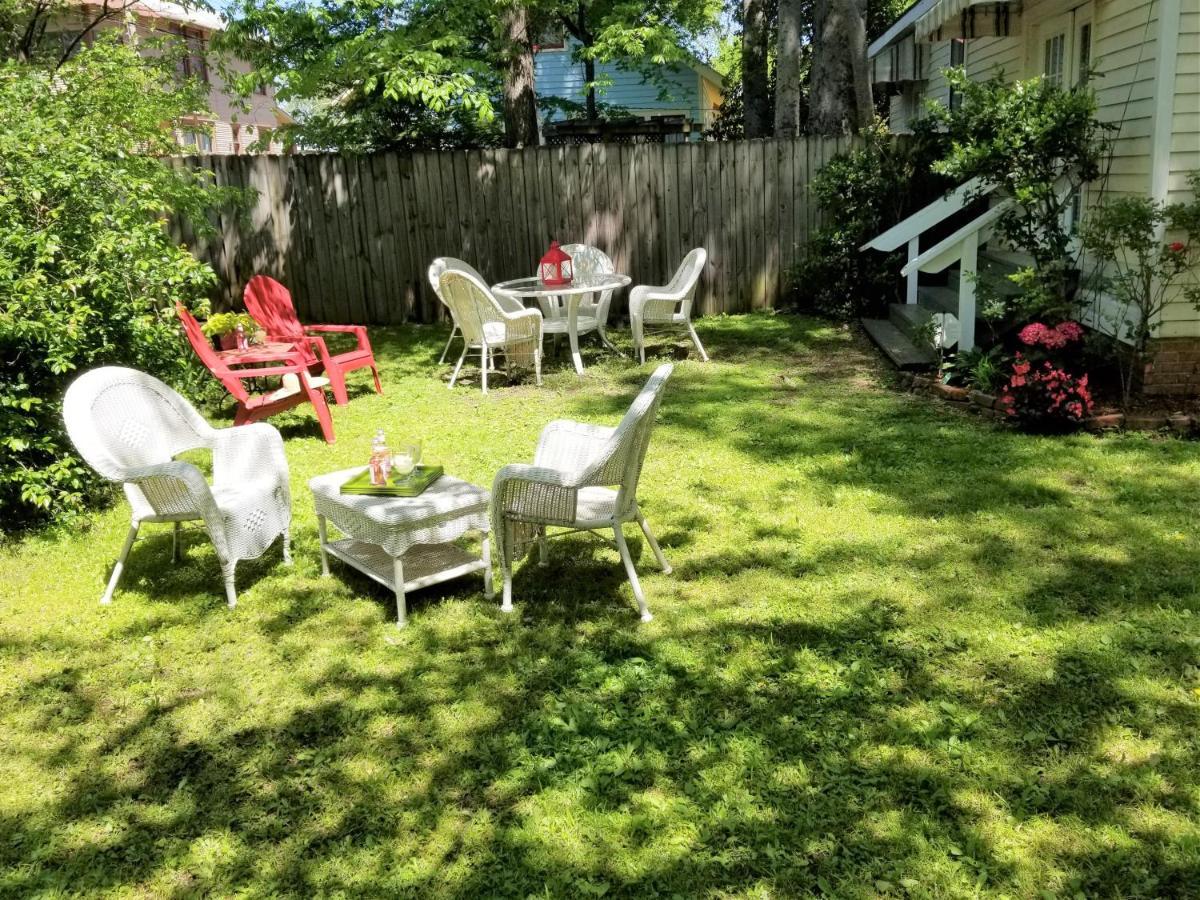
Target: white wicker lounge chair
(669,306)
(129,426)
(570,485)
(440,265)
(487,326)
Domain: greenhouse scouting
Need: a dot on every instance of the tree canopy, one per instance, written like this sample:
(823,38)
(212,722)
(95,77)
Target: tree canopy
(370,74)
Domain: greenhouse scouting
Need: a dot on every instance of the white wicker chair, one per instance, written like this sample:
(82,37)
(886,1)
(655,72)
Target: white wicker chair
(488,326)
(593,308)
(570,485)
(669,306)
(440,265)
(129,426)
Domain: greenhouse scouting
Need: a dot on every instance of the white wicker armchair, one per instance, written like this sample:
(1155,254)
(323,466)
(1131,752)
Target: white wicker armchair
(440,265)
(669,306)
(488,326)
(129,426)
(570,484)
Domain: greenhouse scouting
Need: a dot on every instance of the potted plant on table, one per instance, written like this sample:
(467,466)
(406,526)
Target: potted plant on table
(230,330)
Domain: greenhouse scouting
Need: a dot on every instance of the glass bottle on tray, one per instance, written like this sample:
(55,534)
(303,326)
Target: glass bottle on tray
(381,459)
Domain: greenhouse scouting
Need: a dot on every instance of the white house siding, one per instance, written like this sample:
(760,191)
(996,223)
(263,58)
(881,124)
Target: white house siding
(1180,319)
(1124,47)
(937,88)
(1123,51)
(1185,139)
(987,57)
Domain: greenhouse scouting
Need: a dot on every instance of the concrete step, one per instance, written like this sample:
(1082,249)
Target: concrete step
(898,346)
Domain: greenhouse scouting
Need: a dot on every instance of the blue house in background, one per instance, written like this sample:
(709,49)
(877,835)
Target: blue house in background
(691,91)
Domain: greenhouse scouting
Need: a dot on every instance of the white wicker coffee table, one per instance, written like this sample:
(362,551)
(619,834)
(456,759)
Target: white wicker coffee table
(404,543)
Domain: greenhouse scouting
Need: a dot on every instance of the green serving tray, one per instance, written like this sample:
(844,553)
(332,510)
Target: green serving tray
(411,485)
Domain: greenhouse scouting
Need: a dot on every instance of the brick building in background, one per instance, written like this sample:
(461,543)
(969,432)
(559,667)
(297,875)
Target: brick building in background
(233,125)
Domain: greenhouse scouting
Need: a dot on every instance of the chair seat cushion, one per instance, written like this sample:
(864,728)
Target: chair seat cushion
(242,498)
(672,319)
(235,499)
(595,504)
(496,334)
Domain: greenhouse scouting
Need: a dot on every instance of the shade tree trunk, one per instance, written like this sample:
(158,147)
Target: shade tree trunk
(755,86)
(840,84)
(788,49)
(520,98)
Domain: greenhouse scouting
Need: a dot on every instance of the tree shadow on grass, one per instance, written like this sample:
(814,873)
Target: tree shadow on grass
(792,767)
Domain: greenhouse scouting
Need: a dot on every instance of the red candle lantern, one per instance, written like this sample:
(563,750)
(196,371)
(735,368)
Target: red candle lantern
(555,269)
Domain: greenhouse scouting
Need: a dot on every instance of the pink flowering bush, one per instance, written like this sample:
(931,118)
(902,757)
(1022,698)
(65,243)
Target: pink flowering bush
(1039,335)
(1042,393)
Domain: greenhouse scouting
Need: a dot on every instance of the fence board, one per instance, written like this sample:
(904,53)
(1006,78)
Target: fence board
(352,237)
(712,229)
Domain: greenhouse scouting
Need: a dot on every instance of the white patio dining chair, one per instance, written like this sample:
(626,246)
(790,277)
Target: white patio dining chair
(669,306)
(593,308)
(583,478)
(129,426)
(440,265)
(488,326)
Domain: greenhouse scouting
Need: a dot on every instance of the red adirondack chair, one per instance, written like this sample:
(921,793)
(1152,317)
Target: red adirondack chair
(270,303)
(253,408)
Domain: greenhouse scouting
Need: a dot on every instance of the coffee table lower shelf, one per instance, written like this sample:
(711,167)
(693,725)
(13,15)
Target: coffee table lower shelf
(421,565)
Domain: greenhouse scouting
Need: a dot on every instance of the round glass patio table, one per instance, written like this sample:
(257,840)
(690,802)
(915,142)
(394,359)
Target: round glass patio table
(560,305)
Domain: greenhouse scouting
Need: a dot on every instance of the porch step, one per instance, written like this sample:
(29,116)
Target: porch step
(939,299)
(910,318)
(898,346)
(1007,260)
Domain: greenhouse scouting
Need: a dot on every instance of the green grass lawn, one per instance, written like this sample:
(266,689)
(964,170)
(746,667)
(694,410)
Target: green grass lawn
(903,653)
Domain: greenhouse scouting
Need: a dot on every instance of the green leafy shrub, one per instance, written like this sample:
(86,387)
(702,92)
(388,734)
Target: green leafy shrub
(978,368)
(1039,144)
(88,274)
(882,180)
(1137,268)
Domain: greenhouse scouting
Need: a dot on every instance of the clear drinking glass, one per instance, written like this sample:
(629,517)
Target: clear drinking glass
(406,458)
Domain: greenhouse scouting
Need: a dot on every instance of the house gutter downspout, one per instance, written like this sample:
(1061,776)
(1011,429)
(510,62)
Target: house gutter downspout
(1164,100)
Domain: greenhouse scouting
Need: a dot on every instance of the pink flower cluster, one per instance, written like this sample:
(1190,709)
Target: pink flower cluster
(1039,335)
(1046,392)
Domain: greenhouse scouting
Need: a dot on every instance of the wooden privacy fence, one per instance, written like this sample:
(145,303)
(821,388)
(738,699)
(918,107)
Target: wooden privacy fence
(352,236)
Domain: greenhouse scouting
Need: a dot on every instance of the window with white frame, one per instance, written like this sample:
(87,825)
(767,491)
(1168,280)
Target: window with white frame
(1054,60)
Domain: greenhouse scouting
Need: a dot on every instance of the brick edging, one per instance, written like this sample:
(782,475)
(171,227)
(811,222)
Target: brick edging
(993,408)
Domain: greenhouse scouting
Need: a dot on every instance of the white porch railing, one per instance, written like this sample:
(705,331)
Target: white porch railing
(961,247)
(909,231)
